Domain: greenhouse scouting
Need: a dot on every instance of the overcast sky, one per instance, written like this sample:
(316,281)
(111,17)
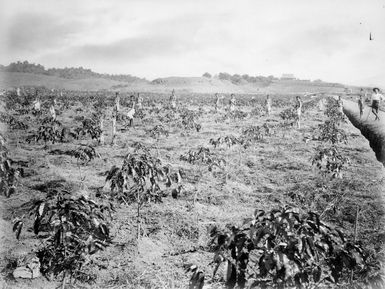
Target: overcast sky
(326,39)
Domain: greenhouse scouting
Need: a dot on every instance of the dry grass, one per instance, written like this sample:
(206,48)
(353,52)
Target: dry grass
(175,231)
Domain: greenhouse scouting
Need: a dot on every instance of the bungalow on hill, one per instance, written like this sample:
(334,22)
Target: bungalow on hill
(288,76)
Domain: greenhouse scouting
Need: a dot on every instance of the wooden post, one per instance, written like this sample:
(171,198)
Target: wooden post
(101,126)
(117,101)
(355,237)
(113,130)
(356,224)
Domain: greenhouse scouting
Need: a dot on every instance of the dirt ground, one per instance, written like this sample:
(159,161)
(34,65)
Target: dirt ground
(175,232)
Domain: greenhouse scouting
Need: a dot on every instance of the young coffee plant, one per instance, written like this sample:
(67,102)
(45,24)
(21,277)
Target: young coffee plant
(157,131)
(49,131)
(253,134)
(15,124)
(283,249)
(189,120)
(141,179)
(84,154)
(233,115)
(90,127)
(289,116)
(203,156)
(329,160)
(257,111)
(329,131)
(229,141)
(332,111)
(9,176)
(138,146)
(73,227)
(140,114)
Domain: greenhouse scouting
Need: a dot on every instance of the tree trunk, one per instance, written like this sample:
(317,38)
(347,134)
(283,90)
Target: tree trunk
(101,126)
(113,130)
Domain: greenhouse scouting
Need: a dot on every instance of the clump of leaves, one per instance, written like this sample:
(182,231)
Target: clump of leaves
(140,114)
(138,146)
(204,156)
(49,131)
(189,120)
(330,132)
(17,124)
(253,132)
(329,160)
(84,153)
(73,228)
(90,127)
(8,174)
(257,111)
(229,140)
(283,248)
(234,115)
(169,117)
(157,131)
(140,179)
(332,111)
(289,116)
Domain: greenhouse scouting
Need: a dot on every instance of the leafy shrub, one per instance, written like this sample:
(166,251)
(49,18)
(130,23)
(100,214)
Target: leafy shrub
(332,111)
(8,174)
(157,131)
(90,127)
(49,131)
(76,227)
(289,115)
(229,140)
(16,124)
(283,248)
(329,160)
(204,156)
(189,120)
(139,179)
(84,153)
(330,132)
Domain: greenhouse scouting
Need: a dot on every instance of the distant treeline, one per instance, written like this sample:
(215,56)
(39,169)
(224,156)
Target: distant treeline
(239,79)
(67,72)
(266,80)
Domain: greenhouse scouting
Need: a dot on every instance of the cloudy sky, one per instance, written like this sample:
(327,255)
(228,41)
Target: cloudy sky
(326,39)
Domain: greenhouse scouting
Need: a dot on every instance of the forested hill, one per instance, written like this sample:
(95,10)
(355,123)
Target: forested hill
(68,72)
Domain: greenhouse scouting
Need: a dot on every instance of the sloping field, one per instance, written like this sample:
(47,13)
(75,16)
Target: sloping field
(165,85)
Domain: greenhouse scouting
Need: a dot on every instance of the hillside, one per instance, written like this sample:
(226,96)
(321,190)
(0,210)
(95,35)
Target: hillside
(180,84)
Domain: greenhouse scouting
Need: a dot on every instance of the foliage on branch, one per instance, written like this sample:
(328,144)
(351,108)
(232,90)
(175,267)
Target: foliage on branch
(157,131)
(84,153)
(289,116)
(283,248)
(141,178)
(74,228)
(329,160)
(330,132)
(228,140)
(204,156)
(49,131)
(189,120)
(8,174)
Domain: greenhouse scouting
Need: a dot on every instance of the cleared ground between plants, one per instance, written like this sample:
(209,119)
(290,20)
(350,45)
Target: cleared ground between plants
(276,171)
